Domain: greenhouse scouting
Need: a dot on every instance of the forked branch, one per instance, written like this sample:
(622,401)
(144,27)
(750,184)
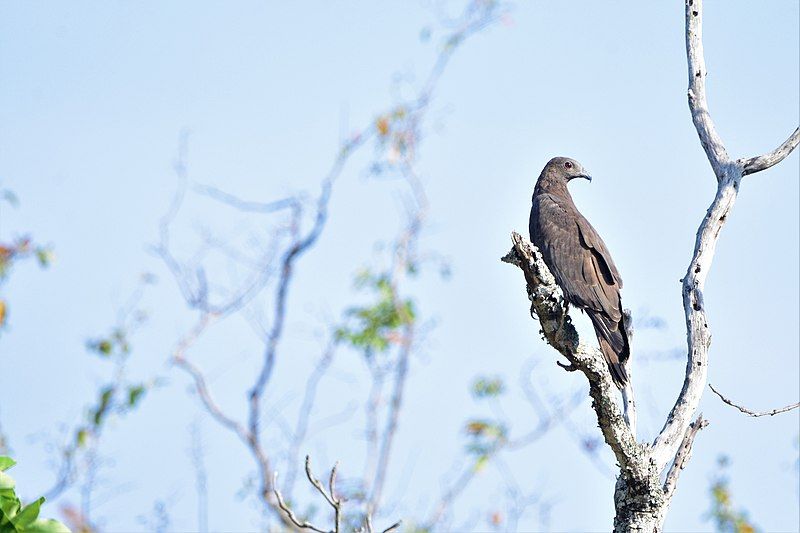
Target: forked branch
(643,506)
(330,496)
(729,175)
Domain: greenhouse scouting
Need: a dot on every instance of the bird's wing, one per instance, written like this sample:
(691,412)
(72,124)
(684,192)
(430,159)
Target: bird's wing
(577,256)
(592,240)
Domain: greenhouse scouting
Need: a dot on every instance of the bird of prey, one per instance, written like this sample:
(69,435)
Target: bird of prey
(580,261)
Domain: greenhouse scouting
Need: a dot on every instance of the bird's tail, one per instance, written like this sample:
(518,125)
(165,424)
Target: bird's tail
(613,339)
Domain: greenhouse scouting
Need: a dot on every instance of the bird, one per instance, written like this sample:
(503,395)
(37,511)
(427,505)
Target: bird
(580,261)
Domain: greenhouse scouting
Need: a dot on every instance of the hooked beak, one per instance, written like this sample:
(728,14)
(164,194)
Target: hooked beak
(584,175)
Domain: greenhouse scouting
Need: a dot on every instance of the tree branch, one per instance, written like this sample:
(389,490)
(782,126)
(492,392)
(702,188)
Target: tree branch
(629,405)
(640,499)
(747,411)
(729,175)
(763,162)
(682,457)
(301,428)
(547,303)
(397,128)
(330,496)
(709,138)
(304,524)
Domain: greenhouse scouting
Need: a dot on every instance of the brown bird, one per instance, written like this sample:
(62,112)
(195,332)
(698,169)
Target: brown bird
(580,261)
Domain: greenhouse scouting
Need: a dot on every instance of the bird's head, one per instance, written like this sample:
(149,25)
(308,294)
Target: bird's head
(564,169)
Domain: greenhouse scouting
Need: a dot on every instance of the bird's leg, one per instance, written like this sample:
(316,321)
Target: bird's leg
(569,368)
(564,315)
(562,320)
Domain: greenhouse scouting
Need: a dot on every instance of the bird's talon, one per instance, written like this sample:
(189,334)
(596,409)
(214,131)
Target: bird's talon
(569,368)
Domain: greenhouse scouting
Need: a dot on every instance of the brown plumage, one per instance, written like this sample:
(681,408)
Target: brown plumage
(580,261)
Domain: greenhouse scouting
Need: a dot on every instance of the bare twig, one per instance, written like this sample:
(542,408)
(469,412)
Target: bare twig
(747,411)
(548,418)
(201,387)
(288,510)
(682,457)
(367,527)
(330,497)
(306,408)
(401,372)
(201,477)
(246,206)
(393,527)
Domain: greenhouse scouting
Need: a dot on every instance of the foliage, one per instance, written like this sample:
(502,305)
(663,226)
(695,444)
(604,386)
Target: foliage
(18,518)
(484,387)
(10,253)
(397,138)
(726,518)
(115,343)
(117,396)
(485,435)
(19,249)
(375,327)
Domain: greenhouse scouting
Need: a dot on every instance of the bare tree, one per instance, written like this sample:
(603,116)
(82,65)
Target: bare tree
(387,331)
(641,498)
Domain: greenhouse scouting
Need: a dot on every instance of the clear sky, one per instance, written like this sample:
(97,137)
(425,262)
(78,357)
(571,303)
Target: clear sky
(93,98)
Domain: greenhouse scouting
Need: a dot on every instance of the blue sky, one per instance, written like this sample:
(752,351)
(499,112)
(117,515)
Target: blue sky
(95,95)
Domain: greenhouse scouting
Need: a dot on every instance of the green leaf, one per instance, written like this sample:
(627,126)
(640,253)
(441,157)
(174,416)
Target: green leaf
(6,481)
(17,519)
(487,387)
(9,505)
(104,347)
(81,437)
(480,463)
(134,394)
(28,514)
(102,409)
(47,526)
(45,256)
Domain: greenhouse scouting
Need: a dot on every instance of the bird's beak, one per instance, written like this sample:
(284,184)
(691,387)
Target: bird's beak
(585,175)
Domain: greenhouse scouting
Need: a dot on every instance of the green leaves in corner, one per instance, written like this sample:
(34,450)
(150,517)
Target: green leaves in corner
(16,518)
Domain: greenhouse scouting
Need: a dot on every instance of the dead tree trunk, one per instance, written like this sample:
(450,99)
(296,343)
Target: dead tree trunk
(641,499)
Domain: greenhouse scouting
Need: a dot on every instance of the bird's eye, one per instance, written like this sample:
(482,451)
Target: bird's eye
(568,164)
